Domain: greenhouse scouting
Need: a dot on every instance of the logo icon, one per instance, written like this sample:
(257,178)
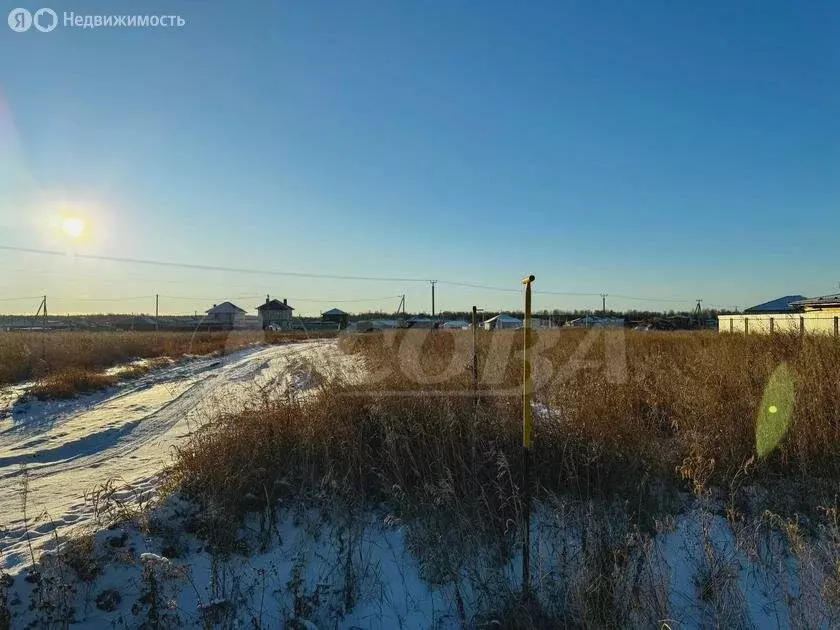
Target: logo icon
(20,20)
(49,21)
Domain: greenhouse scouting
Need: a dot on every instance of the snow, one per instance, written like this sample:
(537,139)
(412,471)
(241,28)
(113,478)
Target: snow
(64,450)
(370,572)
(312,572)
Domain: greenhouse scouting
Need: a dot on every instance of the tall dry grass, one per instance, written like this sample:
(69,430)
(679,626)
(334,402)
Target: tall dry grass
(627,430)
(678,413)
(27,355)
(656,399)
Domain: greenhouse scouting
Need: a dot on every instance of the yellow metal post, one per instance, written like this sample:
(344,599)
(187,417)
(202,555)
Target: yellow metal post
(527,386)
(527,389)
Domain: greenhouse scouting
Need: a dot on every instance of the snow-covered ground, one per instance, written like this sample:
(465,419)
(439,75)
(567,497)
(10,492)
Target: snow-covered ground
(374,571)
(63,450)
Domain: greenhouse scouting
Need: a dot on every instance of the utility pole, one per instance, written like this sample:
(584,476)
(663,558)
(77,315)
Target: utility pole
(433,283)
(401,306)
(604,304)
(157,298)
(698,311)
(44,345)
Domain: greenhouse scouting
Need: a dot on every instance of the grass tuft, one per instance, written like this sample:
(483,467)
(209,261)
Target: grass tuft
(68,383)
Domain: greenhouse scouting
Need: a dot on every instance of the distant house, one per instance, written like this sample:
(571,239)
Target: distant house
(593,321)
(790,314)
(455,324)
(786,304)
(502,320)
(275,314)
(337,316)
(829,303)
(225,314)
(420,322)
(371,325)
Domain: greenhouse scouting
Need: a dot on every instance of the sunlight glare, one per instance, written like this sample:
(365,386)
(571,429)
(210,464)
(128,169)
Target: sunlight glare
(73,226)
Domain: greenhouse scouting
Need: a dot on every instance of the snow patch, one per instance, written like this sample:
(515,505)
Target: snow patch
(65,452)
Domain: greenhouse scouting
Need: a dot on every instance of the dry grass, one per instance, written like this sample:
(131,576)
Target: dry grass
(632,426)
(625,445)
(681,416)
(28,356)
(68,383)
(139,369)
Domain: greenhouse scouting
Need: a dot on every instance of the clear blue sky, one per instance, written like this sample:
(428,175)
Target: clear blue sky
(654,149)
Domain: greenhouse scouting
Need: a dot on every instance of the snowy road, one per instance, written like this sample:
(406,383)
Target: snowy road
(64,449)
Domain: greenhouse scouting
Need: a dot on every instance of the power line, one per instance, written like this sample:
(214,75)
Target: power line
(562,293)
(486,287)
(243,270)
(257,297)
(650,299)
(270,272)
(104,299)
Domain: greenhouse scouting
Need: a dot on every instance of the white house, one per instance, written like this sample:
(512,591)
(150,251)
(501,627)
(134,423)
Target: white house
(502,320)
(455,324)
(225,314)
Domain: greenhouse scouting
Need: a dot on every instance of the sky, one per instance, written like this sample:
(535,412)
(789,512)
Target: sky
(660,150)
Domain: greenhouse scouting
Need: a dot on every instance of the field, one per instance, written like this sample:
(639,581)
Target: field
(672,408)
(70,362)
(678,479)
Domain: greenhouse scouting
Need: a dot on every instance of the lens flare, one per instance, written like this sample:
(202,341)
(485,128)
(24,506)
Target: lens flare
(73,226)
(776,412)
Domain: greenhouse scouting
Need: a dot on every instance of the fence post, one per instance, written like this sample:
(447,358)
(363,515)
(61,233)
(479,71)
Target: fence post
(801,326)
(474,356)
(474,424)
(746,326)
(771,325)
(836,326)
(527,388)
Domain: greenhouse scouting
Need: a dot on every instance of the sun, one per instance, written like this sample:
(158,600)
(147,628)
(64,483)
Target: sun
(73,226)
